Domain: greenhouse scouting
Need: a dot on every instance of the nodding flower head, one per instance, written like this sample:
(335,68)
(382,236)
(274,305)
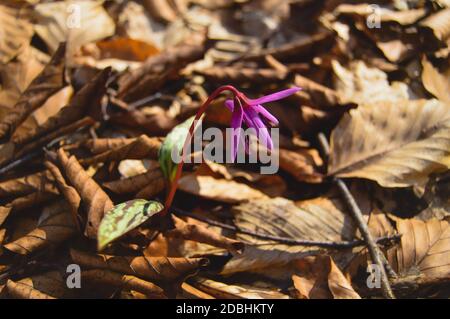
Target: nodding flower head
(254,115)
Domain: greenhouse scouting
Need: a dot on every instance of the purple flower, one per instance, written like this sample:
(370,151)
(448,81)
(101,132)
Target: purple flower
(254,115)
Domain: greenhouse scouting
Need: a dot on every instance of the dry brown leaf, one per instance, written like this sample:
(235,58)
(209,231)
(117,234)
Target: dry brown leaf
(157,70)
(101,145)
(94,200)
(396,144)
(218,189)
(159,269)
(153,177)
(320,219)
(435,82)
(438,25)
(318,277)
(165,10)
(77,22)
(41,181)
(143,147)
(111,278)
(302,164)
(125,49)
(86,100)
(199,233)
(54,227)
(226,291)
(242,75)
(48,285)
(48,82)
(15,31)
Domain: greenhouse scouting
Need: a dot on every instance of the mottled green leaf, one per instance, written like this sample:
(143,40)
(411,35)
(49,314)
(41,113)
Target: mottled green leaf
(125,217)
(173,144)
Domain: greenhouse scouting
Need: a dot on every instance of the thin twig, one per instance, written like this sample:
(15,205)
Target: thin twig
(374,250)
(284,240)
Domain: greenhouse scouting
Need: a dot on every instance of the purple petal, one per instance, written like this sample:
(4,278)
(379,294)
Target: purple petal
(266,114)
(274,96)
(229,104)
(261,130)
(236,124)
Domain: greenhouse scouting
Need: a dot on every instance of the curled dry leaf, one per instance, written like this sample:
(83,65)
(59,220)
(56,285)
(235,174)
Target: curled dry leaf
(435,82)
(54,227)
(48,82)
(437,25)
(143,147)
(41,181)
(302,164)
(49,285)
(160,68)
(396,144)
(153,177)
(225,291)
(200,233)
(318,277)
(88,98)
(15,31)
(159,269)
(128,282)
(101,145)
(218,189)
(94,200)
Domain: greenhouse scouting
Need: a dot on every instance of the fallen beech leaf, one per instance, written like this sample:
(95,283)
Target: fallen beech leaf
(218,189)
(56,23)
(396,144)
(302,164)
(225,291)
(318,277)
(49,285)
(103,276)
(200,233)
(41,181)
(48,82)
(124,217)
(158,269)
(160,68)
(320,219)
(125,49)
(94,200)
(54,227)
(86,100)
(101,145)
(136,183)
(435,82)
(15,31)
(143,147)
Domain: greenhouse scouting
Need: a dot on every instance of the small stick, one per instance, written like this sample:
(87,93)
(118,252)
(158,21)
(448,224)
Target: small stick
(374,250)
(284,240)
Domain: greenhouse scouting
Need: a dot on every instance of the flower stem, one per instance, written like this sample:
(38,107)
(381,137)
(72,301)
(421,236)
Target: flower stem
(174,183)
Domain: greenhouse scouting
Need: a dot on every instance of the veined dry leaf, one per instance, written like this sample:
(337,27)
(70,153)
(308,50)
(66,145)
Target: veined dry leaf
(397,144)
(15,31)
(136,183)
(302,164)
(159,269)
(201,234)
(76,21)
(318,277)
(48,82)
(225,291)
(49,285)
(101,145)
(320,219)
(160,68)
(218,189)
(41,181)
(143,147)
(435,82)
(54,227)
(95,201)
(360,84)
(111,278)
(86,100)
(21,203)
